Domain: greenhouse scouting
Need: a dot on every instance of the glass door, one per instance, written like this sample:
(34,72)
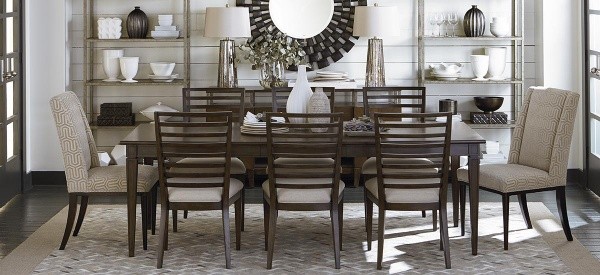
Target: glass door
(11,165)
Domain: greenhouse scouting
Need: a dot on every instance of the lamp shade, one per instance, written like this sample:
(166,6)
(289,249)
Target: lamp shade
(227,22)
(376,21)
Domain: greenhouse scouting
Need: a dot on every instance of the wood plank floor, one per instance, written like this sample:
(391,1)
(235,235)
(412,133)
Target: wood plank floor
(27,212)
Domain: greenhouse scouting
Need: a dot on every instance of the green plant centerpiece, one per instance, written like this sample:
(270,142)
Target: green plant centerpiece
(272,54)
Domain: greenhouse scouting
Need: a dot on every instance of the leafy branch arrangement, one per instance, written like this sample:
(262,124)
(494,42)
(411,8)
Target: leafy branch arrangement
(270,48)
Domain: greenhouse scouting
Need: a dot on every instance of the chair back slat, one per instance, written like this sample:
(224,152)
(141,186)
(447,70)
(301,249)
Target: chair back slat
(307,152)
(404,136)
(215,100)
(393,99)
(181,141)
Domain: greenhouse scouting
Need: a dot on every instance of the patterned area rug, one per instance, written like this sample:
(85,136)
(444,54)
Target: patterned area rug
(303,245)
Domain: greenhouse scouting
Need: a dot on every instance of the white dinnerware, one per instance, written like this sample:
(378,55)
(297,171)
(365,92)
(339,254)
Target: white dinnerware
(165,19)
(497,62)
(162,68)
(111,65)
(479,65)
(158,107)
(129,68)
(109,28)
(499,27)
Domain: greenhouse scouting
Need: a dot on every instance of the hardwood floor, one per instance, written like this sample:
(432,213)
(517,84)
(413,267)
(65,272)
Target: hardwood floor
(27,212)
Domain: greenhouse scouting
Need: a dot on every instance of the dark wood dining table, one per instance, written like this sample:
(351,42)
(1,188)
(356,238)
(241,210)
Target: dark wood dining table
(140,144)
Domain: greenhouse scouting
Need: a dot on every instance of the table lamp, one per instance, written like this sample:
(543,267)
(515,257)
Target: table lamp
(376,21)
(227,22)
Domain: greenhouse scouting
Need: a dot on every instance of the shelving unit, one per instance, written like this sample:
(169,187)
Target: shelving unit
(517,47)
(90,78)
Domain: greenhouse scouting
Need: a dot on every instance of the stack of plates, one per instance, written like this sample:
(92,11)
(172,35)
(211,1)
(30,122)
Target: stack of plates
(445,76)
(166,78)
(258,128)
(331,76)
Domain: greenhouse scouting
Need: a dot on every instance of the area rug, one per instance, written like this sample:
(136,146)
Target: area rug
(303,245)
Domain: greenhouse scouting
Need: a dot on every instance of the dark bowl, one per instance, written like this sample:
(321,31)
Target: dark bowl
(488,104)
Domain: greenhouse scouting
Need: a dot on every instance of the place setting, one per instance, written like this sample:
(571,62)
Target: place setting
(257,124)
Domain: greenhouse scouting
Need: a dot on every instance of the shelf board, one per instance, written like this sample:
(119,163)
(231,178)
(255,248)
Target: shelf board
(480,38)
(127,39)
(141,82)
(510,125)
(470,81)
(93,126)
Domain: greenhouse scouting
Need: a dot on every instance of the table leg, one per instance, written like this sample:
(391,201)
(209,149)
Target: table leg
(474,199)
(132,172)
(455,163)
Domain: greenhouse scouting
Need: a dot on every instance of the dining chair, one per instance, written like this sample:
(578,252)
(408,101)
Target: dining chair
(197,185)
(85,177)
(304,173)
(391,99)
(218,99)
(409,186)
(538,158)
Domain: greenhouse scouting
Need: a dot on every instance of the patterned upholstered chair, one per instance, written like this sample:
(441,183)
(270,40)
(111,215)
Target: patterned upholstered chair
(538,155)
(84,174)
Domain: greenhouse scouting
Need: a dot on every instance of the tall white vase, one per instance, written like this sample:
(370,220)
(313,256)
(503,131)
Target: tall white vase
(299,96)
(480,64)
(111,65)
(497,62)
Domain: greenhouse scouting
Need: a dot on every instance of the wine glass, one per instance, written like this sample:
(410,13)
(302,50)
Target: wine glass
(439,20)
(453,20)
(432,21)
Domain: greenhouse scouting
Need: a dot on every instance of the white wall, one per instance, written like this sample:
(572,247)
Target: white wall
(46,72)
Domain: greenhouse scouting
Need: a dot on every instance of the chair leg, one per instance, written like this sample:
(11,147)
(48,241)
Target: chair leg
(243,214)
(144,206)
(238,223)
(271,236)
(463,203)
(505,202)
(82,209)
(455,163)
(365,199)
(434,219)
(70,220)
(266,216)
(226,236)
(561,200)
(444,230)
(380,236)
(164,231)
(174,212)
(341,222)
(369,222)
(335,228)
(153,208)
(185,214)
(524,209)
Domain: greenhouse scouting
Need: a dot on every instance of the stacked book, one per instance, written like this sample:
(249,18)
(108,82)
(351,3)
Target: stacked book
(254,125)
(115,114)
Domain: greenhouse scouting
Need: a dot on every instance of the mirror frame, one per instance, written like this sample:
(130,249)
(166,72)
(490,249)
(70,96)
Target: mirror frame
(323,49)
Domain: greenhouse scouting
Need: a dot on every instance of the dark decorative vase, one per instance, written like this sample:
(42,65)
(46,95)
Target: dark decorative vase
(474,22)
(137,24)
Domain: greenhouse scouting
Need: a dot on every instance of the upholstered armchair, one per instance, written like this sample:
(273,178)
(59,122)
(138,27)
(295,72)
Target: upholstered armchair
(83,172)
(538,155)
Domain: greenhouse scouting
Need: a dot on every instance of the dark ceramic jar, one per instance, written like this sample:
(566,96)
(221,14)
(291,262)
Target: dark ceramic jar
(137,24)
(474,22)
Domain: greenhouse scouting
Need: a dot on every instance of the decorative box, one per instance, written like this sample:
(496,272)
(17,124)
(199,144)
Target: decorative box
(121,109)
(116,120)
(109,28)
(489,118)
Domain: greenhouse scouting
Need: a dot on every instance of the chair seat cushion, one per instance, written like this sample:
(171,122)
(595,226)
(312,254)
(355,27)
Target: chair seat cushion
(508,178)
(237,166)
(422,195)
(211,194)
(285,195)
(114,178)
(370,166)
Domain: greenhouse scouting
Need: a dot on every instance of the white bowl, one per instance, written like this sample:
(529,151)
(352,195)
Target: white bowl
(162,68)
(165,17)
(158,107)
(165,22)
(446,68)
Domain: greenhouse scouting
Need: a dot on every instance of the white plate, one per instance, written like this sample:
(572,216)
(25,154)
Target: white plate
(450,78)
(445,75)
(336,73)
(129,81)
(162,77)
(330,78)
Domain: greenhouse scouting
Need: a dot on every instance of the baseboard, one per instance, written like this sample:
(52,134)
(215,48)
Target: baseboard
(48,178)
(575,176)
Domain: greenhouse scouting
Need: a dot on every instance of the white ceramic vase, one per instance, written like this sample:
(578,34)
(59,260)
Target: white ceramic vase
(111,65)
(497,62)
(109,28)
(129,68)
(299,96)
(479,64)
(318,104)
(499,27)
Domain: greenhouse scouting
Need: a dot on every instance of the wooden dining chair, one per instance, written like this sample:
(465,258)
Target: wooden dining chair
(215,100)
(85,177)
(409,186)
(304,173)
(197,185)
(538,158)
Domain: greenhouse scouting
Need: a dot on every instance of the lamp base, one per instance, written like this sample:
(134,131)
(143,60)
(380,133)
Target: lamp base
(227,77)
(375,66)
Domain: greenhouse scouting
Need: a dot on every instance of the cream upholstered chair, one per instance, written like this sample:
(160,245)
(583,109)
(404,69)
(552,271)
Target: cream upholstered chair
(539,153)
(84,174)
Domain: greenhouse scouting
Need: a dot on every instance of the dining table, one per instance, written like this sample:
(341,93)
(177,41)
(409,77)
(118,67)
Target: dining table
(141,144)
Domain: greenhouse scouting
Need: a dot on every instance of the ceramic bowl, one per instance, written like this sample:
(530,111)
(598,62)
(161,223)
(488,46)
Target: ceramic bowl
(165,22)
(162,68)
(488,104)
(446,68)
(158,107)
